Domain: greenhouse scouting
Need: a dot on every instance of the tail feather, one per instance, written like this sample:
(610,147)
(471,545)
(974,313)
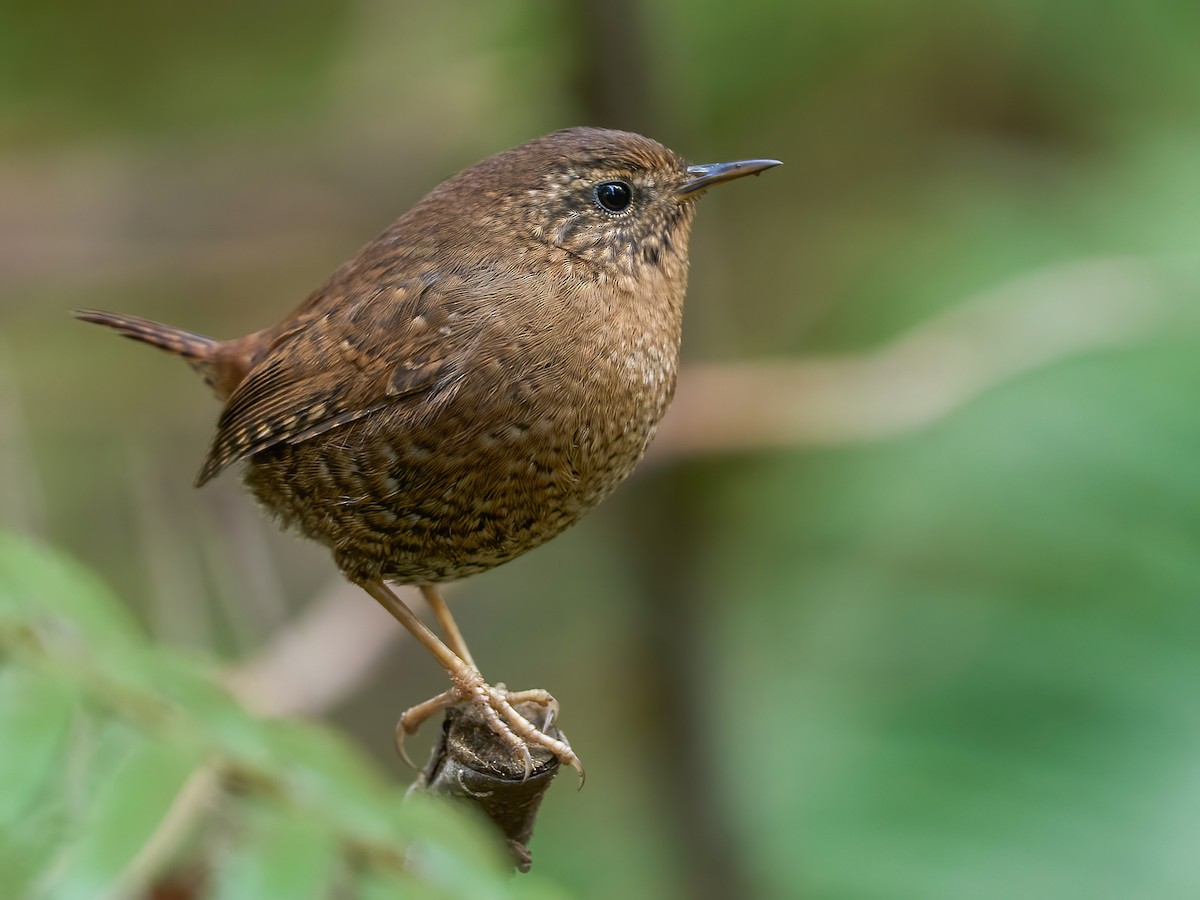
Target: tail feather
(223,364)
(189,345)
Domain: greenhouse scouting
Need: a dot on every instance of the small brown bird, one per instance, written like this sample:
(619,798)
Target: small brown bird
(472,382)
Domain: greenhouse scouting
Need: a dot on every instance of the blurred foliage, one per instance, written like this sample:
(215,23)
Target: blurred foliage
(989,635)
(960,663)
(123,759)
(154,68)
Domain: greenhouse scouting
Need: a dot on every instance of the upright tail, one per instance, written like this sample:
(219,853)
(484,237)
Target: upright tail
(187,344)
(223,364)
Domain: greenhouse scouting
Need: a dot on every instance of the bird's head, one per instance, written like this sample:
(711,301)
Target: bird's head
(611,203)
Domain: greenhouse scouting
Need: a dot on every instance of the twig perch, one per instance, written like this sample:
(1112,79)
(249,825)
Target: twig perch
(470,763)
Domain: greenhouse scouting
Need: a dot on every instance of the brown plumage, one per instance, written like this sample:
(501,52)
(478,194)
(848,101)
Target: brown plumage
(477,377)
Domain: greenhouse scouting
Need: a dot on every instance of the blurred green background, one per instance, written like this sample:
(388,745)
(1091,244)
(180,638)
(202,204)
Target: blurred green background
(942,656)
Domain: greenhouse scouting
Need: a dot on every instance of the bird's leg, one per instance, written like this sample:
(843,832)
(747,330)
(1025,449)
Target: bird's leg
(494,702)
(449,627)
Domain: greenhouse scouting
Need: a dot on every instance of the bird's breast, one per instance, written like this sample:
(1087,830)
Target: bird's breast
(528,434)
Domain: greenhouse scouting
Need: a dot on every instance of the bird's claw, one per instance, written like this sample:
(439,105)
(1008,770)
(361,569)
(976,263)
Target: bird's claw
(497,705)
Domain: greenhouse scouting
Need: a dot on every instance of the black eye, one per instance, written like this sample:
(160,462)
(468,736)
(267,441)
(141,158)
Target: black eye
(614,196)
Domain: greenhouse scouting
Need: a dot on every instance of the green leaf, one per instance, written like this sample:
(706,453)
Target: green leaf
(37,586)
(324,775)
(36,710)
(440,837)
(116,751)
(127,813)
(35,716)
(279,855)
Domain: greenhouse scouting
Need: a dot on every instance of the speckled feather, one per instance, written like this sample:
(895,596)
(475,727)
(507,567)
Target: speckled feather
(480,375)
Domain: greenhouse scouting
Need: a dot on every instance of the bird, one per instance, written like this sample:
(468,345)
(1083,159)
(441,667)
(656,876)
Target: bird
(467,386)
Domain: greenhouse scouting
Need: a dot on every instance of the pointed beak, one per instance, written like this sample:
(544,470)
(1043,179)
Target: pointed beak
(704,177)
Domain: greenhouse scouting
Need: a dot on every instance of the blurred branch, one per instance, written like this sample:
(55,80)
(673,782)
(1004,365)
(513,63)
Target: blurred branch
(611,75)
(197,798)
(320,657)
(929,373)
(921,377)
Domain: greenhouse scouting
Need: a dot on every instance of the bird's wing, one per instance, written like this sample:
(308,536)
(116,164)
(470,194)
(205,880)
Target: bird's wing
(336,364)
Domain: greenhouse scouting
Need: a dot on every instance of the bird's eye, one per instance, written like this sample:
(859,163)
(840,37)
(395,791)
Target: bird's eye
(615,196)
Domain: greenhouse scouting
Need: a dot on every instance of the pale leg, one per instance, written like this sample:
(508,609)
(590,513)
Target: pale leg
(496,703)
(449,627)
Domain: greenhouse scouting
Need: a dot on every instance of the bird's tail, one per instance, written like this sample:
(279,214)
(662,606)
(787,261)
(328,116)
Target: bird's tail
(192,347)
(223,364)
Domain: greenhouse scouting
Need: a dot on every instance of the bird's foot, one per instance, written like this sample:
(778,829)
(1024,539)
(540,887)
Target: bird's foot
(497,704)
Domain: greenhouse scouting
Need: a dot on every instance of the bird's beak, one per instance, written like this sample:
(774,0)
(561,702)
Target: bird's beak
(704,177)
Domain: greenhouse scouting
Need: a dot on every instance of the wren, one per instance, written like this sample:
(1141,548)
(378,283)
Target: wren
(472,382)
